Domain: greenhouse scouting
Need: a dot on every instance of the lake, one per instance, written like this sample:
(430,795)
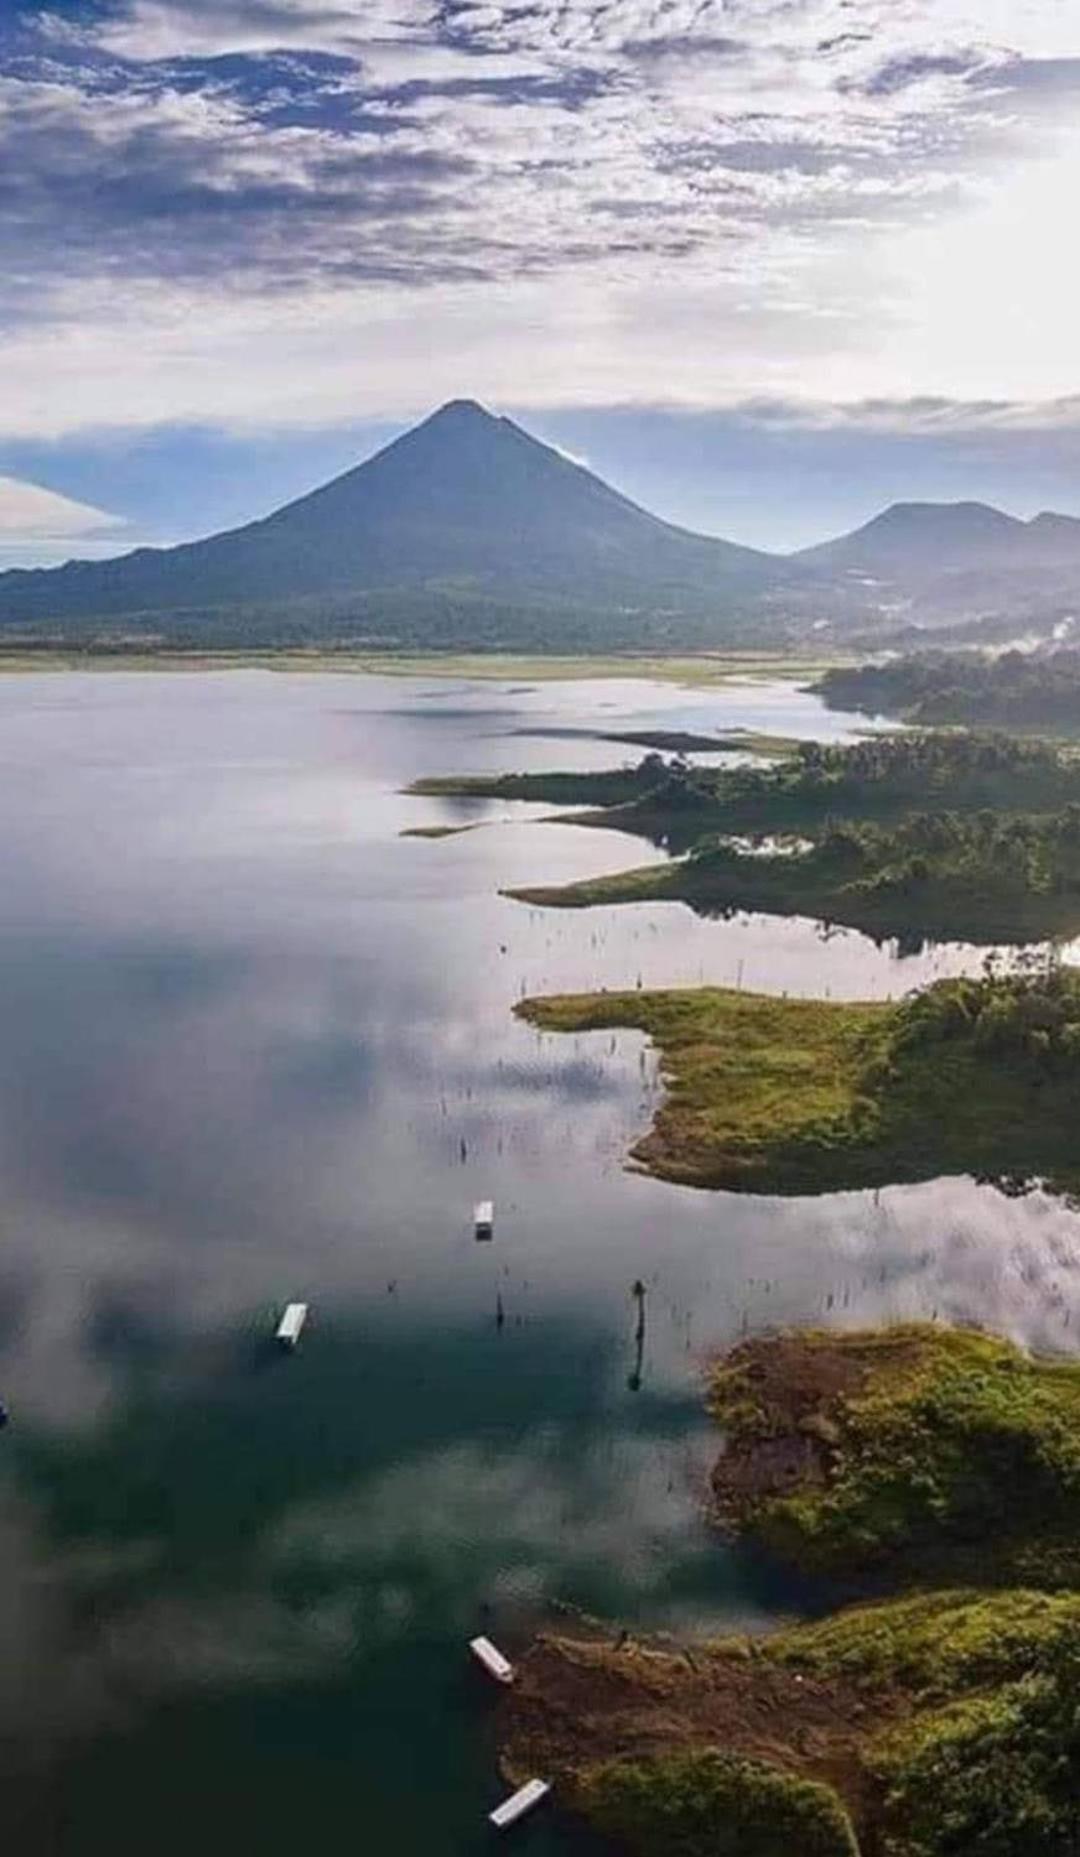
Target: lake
(257,1046)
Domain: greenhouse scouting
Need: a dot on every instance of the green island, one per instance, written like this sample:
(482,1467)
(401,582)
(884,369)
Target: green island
(437,831)
(772,1095)
(937,1721)
(1036,691)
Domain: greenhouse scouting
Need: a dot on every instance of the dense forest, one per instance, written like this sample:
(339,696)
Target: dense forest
(1016,690)
(432,617)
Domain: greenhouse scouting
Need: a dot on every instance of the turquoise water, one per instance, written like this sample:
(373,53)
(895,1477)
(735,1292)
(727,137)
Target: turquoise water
(257,1046)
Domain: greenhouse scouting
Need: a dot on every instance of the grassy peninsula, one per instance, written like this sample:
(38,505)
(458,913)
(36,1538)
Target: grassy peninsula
(771,1095)
(938,1722)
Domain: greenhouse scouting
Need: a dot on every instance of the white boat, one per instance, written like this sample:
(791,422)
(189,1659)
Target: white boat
(291,1324)
(484,1218)
(492,1659)
(524,1800)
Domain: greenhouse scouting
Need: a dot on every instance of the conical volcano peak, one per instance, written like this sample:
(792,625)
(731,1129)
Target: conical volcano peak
(462,413)
(465,511)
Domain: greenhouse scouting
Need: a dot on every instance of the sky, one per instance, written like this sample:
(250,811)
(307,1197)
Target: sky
(765,264)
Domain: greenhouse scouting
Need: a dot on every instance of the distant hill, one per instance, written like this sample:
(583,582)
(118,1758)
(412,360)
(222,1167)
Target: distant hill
(468,532)
(466,510)
(913,538)
(951,560)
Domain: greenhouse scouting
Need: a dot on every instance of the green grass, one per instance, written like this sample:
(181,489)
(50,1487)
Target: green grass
(701,1803)
(916,1450)
(935,1644)
(772,1095)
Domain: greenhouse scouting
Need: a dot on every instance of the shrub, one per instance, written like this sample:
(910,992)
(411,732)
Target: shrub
(707,1804)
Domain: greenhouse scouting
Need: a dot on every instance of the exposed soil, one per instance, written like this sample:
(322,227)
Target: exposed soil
(795,1384)
(576,1704)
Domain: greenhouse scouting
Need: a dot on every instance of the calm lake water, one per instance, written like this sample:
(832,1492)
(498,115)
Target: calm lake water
(255,1046)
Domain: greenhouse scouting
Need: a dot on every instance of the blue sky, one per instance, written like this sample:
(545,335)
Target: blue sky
(766,264)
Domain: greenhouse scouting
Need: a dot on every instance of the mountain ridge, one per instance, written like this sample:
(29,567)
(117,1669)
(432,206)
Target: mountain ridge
(467,528)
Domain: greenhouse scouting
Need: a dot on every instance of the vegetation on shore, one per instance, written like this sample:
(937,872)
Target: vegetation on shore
(852,1453)
(880,778)
(913,835)
(1037,691)
(772,1095)
(616,786)
(702,1803)
(982,877)
(928,1724)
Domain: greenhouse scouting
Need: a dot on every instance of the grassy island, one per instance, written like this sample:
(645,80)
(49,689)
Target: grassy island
(772,1095)
(938,1722)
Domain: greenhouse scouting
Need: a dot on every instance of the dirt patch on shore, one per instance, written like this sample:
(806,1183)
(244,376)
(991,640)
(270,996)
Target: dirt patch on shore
(781,1394)
(577,1704)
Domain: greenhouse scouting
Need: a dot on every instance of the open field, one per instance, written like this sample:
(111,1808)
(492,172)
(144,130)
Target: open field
(495,667)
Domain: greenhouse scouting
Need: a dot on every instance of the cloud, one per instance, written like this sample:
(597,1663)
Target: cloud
(26,510)
(38,526)
(300,210)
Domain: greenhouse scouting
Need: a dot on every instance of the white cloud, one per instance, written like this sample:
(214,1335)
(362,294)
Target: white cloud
(39,528)
(694,202)
(27,512)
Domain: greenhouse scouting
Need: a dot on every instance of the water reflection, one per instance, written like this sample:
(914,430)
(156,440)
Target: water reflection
(257,1046)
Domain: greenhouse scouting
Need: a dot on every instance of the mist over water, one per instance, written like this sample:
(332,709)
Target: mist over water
(256,1045)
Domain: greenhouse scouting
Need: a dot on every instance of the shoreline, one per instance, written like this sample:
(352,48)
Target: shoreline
(931,1702)
(705,670)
